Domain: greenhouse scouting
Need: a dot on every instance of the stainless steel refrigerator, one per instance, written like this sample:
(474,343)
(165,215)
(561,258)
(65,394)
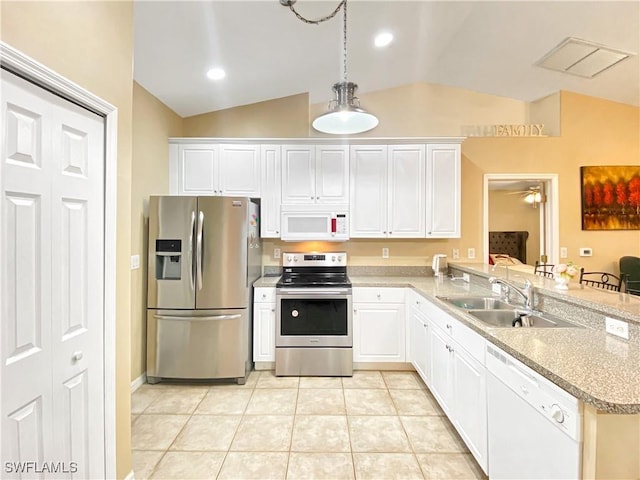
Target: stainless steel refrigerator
(204,255)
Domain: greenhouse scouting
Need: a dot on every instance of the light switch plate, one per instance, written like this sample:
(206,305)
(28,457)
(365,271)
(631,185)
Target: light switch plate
(471,253)
(563,252)
(135,262)
(586,252)
(456,253)
(385,252)
(276,253)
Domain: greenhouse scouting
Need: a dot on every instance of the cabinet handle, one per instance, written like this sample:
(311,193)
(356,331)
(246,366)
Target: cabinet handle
(417,302)
(355,310)
(278,232)
(77,356)
(384,232)
(273,310)
(448,326)
(311,198)
(379,296)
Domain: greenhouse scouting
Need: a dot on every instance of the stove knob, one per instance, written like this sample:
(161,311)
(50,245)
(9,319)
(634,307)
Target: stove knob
(295,259)
(333,259)
(340,258)
(289,258)
(556,413)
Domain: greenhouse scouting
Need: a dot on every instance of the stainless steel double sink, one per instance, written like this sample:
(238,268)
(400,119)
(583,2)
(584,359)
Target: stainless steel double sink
(499,314)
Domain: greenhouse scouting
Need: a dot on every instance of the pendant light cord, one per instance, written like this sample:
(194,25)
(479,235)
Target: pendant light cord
(318,20)
(344,40)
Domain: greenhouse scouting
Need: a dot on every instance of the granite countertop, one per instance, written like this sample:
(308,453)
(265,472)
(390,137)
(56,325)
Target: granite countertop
(597,368)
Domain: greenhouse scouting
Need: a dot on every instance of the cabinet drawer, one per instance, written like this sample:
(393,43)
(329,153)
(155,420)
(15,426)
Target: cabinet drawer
(463,335)
(378,295)
(264,294)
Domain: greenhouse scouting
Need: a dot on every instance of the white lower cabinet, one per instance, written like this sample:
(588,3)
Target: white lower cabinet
(458,382)
(418,327)
(264,325)
(378,325)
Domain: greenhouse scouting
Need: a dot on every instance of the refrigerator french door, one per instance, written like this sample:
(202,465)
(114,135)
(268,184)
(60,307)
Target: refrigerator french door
(204,254)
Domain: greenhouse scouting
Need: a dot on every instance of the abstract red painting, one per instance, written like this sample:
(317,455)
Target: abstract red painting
(610,197)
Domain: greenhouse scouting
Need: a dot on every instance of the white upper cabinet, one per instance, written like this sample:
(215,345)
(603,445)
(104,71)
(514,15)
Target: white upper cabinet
(211,169)
(443,191)
(406,191)
(368,193)
(315,174)
(271,172)
(387,191)
(239,170)
(196,169)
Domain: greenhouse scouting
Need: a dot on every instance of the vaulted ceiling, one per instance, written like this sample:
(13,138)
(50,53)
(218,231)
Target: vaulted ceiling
(267,53)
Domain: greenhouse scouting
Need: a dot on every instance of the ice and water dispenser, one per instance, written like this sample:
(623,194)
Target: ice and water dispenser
(168,259)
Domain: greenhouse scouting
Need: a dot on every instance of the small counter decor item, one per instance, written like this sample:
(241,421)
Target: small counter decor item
(563,273)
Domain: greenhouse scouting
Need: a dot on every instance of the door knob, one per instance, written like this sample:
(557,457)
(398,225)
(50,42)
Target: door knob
(77,356)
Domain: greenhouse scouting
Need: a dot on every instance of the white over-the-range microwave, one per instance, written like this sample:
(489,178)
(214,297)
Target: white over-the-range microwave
(314,222)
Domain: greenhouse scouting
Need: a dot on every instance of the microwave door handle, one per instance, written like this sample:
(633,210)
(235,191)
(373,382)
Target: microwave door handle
(199,249)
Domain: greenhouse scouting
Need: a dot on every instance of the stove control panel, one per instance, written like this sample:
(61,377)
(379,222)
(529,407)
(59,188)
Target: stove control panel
(315,259)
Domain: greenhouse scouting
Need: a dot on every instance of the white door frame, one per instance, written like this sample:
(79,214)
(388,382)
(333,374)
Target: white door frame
(552,227)
(43,76)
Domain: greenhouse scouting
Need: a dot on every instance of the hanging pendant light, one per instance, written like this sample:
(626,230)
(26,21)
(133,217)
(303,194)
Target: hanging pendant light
(345,116)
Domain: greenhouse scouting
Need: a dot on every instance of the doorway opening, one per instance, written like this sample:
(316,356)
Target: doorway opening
(520,191)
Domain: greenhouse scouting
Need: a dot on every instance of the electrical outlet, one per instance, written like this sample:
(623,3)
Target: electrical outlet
(385,252)
(276,253)
(456,253)
(465,277)
(135,262)
(586,252)
(471,253)
(617,327)
(563,252)
(496,288)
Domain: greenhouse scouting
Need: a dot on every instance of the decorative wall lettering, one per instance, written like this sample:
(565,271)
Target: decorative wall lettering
(519,130)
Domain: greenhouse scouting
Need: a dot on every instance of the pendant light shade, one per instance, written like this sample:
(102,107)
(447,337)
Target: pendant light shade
(345,117)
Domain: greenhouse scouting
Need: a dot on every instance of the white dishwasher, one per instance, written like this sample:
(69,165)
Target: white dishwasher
(534,427)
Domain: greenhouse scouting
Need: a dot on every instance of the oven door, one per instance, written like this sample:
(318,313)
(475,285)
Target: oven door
(314,317)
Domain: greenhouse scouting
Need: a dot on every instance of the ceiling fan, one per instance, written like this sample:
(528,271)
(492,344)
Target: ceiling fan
(534,195)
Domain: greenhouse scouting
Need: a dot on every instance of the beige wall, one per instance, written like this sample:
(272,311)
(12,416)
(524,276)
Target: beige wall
(283,117)
(153,123)
(91,43)
(594,132)
(509,212)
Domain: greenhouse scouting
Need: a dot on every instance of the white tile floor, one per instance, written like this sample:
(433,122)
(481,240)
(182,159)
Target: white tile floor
(374,425)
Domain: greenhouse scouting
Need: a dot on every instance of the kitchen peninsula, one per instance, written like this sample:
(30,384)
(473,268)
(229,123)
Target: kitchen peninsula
(600,370)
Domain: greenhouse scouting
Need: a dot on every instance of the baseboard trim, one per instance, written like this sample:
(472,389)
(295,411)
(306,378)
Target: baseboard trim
(130,475)
(135,384)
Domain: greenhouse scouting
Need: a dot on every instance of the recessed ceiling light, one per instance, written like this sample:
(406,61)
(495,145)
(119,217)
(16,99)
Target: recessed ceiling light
(216,74)
(383,39)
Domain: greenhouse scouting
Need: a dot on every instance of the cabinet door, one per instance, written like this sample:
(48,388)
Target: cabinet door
(443,191)
(470,403)
(368,192)
(239,170)
(298,174)
(419,344)
(197,170)
(441,369)
(332,174)
(378,332)
(406,191)
(264,331)
(271,172)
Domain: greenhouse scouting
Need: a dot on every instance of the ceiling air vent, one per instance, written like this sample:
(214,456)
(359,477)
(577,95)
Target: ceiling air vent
(582,58)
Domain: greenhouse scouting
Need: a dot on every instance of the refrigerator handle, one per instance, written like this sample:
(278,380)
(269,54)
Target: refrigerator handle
(199,249)
(207,318)
(192,233)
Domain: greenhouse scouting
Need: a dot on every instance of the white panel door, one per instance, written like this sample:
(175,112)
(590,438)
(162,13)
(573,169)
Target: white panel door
(298,174)
(332,174)
(197,170)
(53,252)
(368,192)
(271,173)
(406,191)
(239,170)
(441,368)
(443,191)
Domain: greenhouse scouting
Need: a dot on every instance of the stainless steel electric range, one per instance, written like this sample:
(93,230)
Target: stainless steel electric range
(314,323)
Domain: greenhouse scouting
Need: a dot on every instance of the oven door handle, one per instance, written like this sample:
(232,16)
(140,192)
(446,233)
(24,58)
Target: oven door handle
(313,292)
